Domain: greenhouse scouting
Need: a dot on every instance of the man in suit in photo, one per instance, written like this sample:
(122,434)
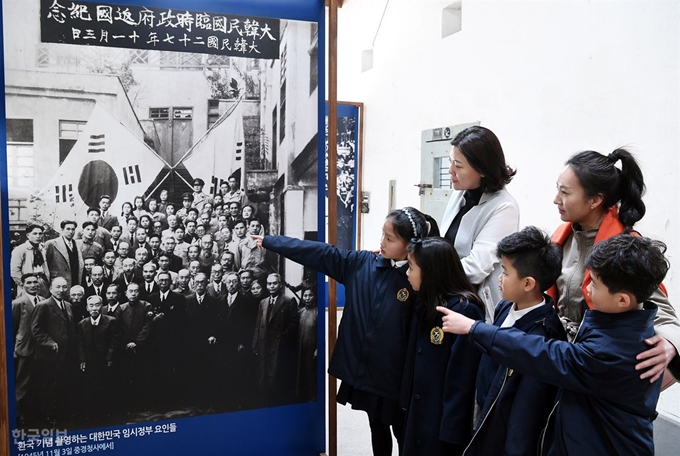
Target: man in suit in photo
(106,220)
(54,332)
(202,332)
(111,273)
(154,243)
(217,288)
(167,342)
(122,252)
(88,263)
(232,193)
(64,256)
(140,240)
(78,305)
(149,286)
(113,303)
(97,341)
(99,284)
(274,344)
(141,258)
(169,245)
(135,322)
(24,348)
(128,276)
(237,320)
(209,252)
(30,257)
(182,285)
(173,222)
(116,237)
(164,266)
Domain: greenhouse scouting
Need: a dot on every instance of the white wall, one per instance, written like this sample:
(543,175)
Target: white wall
(549,78)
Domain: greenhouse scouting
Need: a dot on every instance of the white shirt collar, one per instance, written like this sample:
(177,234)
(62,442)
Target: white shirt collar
(95,322)
(515,314)
(398,264)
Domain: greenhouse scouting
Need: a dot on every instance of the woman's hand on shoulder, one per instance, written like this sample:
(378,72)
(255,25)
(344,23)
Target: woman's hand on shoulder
(655,360)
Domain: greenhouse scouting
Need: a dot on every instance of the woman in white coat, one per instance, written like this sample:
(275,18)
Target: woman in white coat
(481,212)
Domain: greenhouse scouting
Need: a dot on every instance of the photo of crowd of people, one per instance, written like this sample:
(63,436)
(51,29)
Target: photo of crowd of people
(135,307)
(162,310)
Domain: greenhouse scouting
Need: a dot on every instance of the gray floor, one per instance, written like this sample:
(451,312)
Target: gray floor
(354,435)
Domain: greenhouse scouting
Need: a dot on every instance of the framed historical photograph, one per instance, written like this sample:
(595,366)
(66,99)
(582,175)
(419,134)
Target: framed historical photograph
(348,187)
(145,143)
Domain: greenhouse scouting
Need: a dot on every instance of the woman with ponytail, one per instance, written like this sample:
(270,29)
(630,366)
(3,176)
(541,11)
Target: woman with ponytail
(600,196)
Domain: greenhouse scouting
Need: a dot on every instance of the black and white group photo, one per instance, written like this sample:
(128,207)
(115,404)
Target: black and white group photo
(137,175)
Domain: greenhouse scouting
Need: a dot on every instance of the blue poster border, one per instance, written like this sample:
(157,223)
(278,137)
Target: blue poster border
(289,430)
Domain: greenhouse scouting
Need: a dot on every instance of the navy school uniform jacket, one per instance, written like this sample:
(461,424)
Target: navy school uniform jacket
(373,333)
(514,406)
(438,390)
(603,407)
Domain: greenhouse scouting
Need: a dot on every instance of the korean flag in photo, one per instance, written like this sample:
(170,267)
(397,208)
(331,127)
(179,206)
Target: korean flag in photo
(219,154)
(107,159)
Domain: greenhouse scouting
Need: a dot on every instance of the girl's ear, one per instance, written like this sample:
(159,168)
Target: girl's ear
(529,283)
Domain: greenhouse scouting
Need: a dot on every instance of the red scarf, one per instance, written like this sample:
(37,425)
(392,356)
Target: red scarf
(610,226)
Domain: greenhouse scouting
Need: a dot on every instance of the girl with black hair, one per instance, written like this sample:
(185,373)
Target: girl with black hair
(438,390)
(600,196)
(373,333)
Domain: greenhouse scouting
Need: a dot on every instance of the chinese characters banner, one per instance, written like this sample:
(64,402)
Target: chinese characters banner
(139,27)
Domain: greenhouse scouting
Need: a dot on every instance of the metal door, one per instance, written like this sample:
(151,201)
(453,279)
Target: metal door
(435,182)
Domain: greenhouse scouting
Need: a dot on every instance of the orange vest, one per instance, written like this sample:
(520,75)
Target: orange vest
(610,226)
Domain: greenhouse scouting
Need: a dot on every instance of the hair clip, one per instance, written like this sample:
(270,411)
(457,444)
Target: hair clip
(417,241)
(410,219)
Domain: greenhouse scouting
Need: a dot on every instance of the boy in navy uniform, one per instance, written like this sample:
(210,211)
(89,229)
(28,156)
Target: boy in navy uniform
(603,407)
(513,407)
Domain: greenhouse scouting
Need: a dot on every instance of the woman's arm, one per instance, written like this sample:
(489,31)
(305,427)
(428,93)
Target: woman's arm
(654,361)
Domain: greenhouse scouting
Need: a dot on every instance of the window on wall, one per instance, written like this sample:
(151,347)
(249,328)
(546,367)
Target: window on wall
(20,158)
(159,113)
(314,58)
(223,61)
(182,113)
(69,132)
(442,177)
(282,114)
(282,95)
(213,112)
(139,56)
(274,142)
(43,56)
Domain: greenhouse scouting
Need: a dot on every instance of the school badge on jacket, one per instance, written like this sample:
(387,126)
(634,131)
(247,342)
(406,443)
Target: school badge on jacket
(402,295)
(437,335)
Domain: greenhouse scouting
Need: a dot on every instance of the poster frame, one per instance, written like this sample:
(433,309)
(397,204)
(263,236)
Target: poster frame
(295,429)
